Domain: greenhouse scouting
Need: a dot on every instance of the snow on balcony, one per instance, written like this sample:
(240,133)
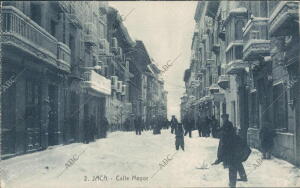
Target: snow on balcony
(97,83)
(22,33)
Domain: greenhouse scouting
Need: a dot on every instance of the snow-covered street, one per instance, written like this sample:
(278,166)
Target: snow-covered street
(127,160)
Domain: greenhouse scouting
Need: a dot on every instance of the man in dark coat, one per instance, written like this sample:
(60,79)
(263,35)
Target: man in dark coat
(199,126)
(189,126)
(92,128)
(127,124)
(214,127)
(230,152)
(86,130)
(206,127)
(137,124)
(174,122)
(105,126)
(179,138)
(266,136)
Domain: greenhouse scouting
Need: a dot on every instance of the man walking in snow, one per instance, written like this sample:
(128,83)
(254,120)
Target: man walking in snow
(189,126)
(232,151)
(266,137)
(174,122)
(206,127)
(179,138)
(214,127)
(137,124)
(199,126)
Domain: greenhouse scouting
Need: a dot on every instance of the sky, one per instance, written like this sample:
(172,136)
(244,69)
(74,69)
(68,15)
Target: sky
(166,28)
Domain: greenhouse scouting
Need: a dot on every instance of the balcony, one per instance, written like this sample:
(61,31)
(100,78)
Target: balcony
(119,86)
(214,88)
(24,36)
(104,47)
(236,66)
(284,20)
(255,35)
(97,84)
(223,81)
(114,82)
(64,56)
(123,90)
(119,55)
(90,36)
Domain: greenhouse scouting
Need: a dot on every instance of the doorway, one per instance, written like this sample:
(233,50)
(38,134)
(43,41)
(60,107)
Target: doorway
(53,115)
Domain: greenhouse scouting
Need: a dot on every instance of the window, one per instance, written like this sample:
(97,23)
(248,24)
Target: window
(36,13)
(233,112)
(263,9)
(280,106)
(224,108)
(272,6)
(72,45)
(239,52)
(238,30)
(53,28)
(254,110)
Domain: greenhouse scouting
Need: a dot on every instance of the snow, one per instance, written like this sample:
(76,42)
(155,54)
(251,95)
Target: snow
(125,154)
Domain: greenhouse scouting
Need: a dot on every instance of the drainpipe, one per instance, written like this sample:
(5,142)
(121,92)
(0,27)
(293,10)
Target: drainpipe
(297,133)
(0,80)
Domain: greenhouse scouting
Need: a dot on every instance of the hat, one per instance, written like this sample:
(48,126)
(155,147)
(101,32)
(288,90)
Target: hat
(224,115)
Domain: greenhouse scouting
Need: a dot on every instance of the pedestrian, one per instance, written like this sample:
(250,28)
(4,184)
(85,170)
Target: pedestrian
(167,123)
(179,138)
(232,151)
(214,127)
(137,125)
(174,122)
(104,127)
(199,126)
(86,130)
(126,124)
(266,137)
(206,127)
(92,129)
(189,127)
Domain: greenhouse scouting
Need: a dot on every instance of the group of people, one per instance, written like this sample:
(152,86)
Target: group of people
(138,124)
(232,149)
(205,126)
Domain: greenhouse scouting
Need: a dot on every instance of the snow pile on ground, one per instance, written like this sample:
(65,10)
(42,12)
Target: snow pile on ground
(126,160)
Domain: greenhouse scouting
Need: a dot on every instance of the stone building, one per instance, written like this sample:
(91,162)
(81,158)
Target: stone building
(156,99)
(63,70)
(138,84)
(248,61)
(54,88)
(119,106)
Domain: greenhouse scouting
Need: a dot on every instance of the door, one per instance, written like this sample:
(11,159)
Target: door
(8,115)
(53,115)
(32,115)
(74,116)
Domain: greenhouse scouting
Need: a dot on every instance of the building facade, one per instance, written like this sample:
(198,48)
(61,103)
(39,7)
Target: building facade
(64,69)
(246,54)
